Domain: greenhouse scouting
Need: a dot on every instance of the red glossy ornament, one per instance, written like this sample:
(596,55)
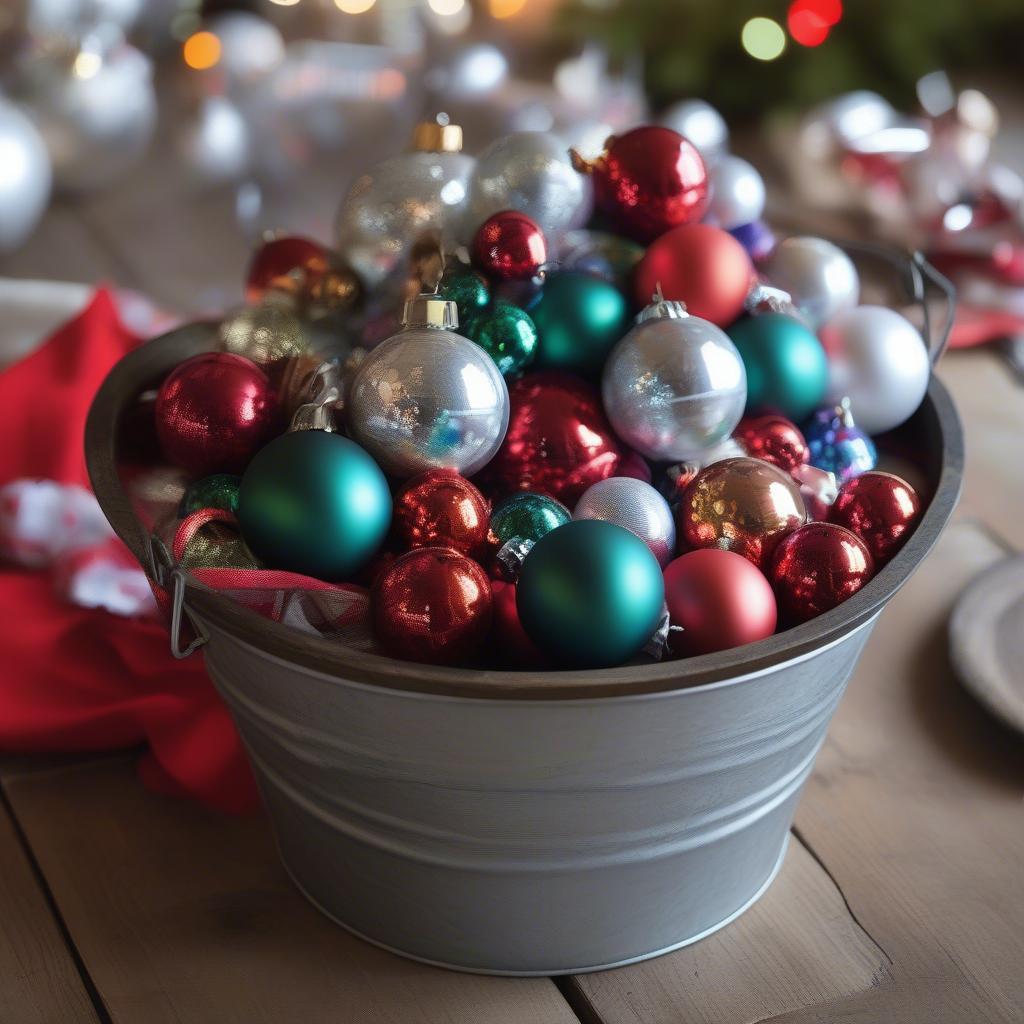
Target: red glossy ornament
(305,270)
(440,508)
(559,441)
(515,648)
(720,600)
(700,265)
(432,605)
(509,246)
(880,508)
(214,412)
(816,568)
(634,465)
(774,439)
(648,181)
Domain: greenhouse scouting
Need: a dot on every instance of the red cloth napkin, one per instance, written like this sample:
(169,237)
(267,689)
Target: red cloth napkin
(80,679)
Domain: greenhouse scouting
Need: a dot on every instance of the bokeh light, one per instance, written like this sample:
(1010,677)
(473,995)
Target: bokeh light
(505,8)
(809,21)
(354,6)
(446,8)
(763,38)
(201,50)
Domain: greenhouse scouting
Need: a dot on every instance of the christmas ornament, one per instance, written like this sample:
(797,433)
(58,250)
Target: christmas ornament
(818,488)
(718,600)
(878,360)
(25,182)
(635,466)
(466,288)
(819,277)
(836,443)
(599,254)
(439,508)
(250,46)
(432,605)
(742,505)
(698,264)
(522,519)
(219,491)
(529,172)
(785,363)
(214,141)
(515,648)
(881,509)
(635,506)
(213,412)
(756,238)
(208,539)
(674,386)
(507,334)
(559,441)
(737,193)
(704,126)
(267,334)
(816,568)
(509,246)
(428,398)
(590,594)
(774,439)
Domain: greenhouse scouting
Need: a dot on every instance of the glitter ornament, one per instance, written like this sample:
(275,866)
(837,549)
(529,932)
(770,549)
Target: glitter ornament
(507,334)
(439,508)
(509,246)
(466,288)
(819,277)
(774,439)
(517,524)
(837,444)
(267,334)
(219,491)
(637,507)
(880,508)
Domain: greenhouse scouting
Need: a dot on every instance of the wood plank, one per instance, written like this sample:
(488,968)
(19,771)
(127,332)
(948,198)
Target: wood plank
(181,915)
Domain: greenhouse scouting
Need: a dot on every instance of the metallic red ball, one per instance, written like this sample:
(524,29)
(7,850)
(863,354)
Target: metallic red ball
(509,246)
(214,412)
(816,568)
(719,599)
(559,441)
(440,508)
(774,439)
(514,646)
(880,508)
(432,605)
(317,279)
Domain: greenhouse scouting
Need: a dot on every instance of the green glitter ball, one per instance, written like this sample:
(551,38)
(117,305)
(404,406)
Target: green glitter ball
(527,516)
(507,334)
(217,491)
(467,289)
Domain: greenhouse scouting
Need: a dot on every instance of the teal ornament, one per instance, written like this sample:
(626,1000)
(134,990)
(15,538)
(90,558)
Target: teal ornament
(315,503)
(787,369)
(527,516)
(578,318)
(507,334)
(466,288)
(590,594)
(217,491)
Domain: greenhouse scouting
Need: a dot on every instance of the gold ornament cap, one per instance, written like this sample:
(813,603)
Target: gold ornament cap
(437,137)
(431,310)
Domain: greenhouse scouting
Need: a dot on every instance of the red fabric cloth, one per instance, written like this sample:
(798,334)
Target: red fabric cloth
(79,679)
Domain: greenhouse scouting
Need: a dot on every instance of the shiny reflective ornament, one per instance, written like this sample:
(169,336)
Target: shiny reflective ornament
(737,193)
(466,288)
(881,509)
(742,505)
(838,445)
(218,491)
(819,277)
(25,177)
(526,516)
(599,254)
(529,172)
(250,46)
(439,508)
(648,181)
(704,126)
(507,334)
(590,594)
(879,361)
(509,246)
(674,386)
(637,507)
(428,398)
(214,141)
(432,605)
(213,413)
(56,17)
(816,568)
(774,439)
(515,649)
(267,334)
(210,540)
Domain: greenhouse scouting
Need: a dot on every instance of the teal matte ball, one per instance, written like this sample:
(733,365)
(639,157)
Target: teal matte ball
(314,503)
(787,369)
(590,594)
(579,319)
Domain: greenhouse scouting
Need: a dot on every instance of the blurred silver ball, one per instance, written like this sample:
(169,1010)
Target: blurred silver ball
(71,17)
(737,193)
(428,399)
(820,278)
(704,126)
(215,143)
(529,172)
(673,388)
(24,176)
(637,507)
(878,360)
(250,46)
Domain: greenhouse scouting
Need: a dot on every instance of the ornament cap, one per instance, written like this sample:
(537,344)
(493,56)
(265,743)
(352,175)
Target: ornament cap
(437,137)
(661,308)
(431,310)
(324,392)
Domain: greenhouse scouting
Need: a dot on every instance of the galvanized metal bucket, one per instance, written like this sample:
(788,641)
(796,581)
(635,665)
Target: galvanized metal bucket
(521,823)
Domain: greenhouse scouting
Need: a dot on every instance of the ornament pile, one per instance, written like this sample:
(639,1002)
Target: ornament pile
(575,446)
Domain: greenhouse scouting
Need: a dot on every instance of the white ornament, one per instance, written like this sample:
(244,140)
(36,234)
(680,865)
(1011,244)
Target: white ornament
(737,193)
(704,126)
(819,277)
(24,176)
(636,506)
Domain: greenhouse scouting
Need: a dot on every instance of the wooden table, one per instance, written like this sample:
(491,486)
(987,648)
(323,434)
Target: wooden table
(901,898)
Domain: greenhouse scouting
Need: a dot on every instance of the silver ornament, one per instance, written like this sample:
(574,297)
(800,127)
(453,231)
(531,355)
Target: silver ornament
(427,398)
(737,193)
(24,176)
(878,360)
(704,126)
(267,334)
(675,385)
(529,172)
(819,277)
(635,506)
(215,145)
(250,46)
(49,18)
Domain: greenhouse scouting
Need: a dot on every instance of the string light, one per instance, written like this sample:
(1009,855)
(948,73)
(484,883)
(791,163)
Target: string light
(354,6)
(201,50)
(763,38)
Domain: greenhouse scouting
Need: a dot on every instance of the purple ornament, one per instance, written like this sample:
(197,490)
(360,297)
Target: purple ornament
(756,237)
(837,445)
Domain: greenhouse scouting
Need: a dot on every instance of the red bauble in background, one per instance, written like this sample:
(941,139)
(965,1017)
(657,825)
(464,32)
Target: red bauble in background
(647,181)
(509,246)
(720,600)
(698,264)
(214,412)
(559,441)
(432,605)
(816,568)
(774,439)
(310,273)
(439,508)
(880,508)
(515,648)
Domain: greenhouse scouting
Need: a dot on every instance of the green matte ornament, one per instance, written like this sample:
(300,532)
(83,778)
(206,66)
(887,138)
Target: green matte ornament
(507,334)
(590,594)
(787,369)
(315,503)
(217,491)
(466,288)
(578,318)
